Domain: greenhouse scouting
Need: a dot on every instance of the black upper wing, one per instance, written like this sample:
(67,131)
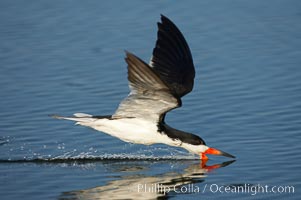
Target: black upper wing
(172,59)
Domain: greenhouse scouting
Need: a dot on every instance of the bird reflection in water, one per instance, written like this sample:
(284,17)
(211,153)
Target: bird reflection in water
(139,182)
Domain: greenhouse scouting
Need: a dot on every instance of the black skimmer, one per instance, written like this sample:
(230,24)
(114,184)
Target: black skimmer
(155,89)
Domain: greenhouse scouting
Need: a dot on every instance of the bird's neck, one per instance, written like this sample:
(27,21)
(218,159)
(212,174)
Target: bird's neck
(183,136)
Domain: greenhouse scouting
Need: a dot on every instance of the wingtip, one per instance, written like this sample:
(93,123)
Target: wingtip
(128,54)
(163,17)
(130,57)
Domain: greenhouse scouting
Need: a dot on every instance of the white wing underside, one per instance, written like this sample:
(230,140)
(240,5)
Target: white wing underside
(149,97)
(148,107)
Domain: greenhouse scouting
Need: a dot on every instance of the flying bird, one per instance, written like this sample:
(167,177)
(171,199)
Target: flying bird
(155,89)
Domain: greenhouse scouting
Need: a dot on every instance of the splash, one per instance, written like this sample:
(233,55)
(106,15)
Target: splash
(87,157)
(61,154)
(91,157)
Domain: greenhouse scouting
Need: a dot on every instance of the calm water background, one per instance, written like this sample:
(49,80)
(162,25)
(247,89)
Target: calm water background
(67,56)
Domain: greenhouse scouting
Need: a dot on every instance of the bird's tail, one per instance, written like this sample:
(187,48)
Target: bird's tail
(78,117)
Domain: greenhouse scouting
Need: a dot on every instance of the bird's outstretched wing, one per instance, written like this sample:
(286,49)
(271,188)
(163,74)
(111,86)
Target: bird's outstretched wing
(158,87)
(172,58)
(150,97)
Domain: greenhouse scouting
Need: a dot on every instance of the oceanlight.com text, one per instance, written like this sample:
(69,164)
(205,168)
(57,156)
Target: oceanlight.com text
(251,189)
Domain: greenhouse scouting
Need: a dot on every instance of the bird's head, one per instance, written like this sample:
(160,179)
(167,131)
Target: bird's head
(198,146)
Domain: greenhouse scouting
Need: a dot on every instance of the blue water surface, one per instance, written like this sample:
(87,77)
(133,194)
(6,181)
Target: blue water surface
(63,57)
